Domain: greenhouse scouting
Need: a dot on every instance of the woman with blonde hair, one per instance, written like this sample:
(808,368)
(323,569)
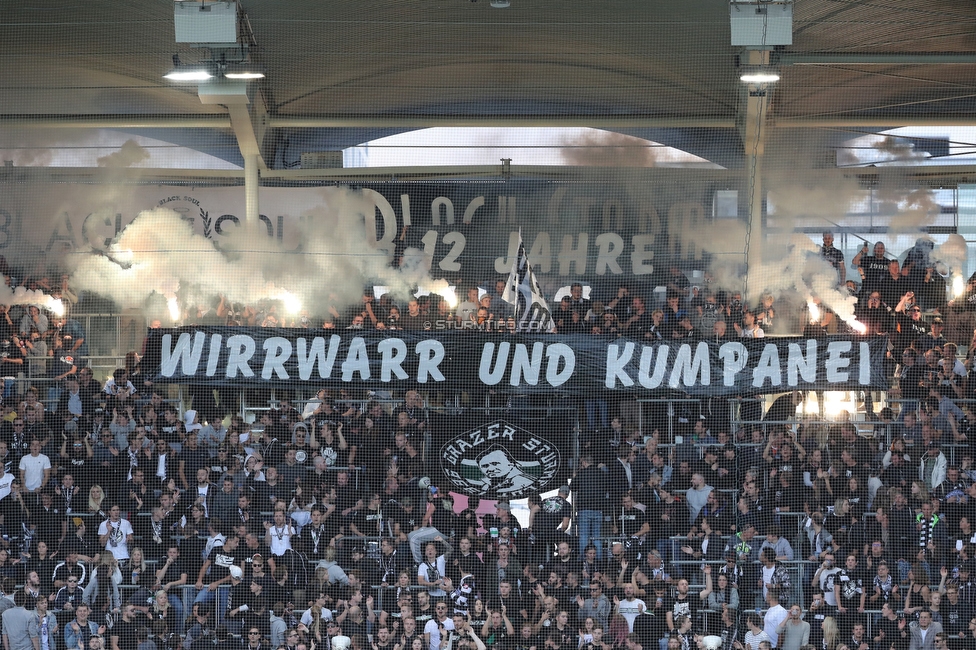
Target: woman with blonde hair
(162,610)
(96,495)
(920,494)
(135,568)
(831,633)
(102,592)
(316,627)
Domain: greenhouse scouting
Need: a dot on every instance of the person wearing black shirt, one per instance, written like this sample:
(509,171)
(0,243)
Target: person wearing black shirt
(850,594)
(956,614)
(239,601)
(631,521)
(48,521)
(564,562)
(638,321)
(590,493)
(123,633)
(567,319)
(313,539)
(685,604)
(463,562)
(171,575)
(874,268)
(506,595)
(873,313)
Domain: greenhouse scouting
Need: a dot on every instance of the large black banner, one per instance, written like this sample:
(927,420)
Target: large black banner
(473,361)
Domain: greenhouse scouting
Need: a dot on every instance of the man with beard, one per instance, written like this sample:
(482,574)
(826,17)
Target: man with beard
(124,631)
(683,604)
(873,268)
(833,256)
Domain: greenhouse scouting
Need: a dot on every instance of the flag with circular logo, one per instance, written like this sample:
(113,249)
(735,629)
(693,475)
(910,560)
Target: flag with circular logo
(500,460)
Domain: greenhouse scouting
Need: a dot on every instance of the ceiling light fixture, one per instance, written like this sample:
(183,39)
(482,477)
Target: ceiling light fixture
(244,71)
(500,4)
(759,77)
(193,72)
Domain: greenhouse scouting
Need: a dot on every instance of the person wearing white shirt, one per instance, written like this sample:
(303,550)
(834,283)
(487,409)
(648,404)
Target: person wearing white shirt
(115,534)
(5,482)
(750,328)
(630,607)
(433,627)
(278,537)
(775,615)
(35,468)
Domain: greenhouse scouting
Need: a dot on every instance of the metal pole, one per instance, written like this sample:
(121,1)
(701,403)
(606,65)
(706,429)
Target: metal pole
(251,205)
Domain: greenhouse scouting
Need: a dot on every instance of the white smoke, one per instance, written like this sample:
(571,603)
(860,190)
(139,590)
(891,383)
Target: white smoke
(24,296)
(159,253)
(802,273)
(131,153)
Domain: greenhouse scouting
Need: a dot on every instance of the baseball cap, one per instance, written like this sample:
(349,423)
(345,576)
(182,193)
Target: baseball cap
(236,573)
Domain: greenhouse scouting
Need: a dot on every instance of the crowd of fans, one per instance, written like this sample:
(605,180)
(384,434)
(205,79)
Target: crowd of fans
(129,524)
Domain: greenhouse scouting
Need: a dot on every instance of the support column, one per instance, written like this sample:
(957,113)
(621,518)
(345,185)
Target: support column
(252,209)
(753,126)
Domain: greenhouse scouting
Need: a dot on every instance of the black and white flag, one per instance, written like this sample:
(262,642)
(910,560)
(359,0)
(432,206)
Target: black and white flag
(531,311)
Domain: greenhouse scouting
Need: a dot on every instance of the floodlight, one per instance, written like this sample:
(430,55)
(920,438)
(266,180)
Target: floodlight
(759,77)
(244,70)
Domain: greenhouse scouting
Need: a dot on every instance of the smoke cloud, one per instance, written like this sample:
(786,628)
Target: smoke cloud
(608,149)
(159,253)
(131,153)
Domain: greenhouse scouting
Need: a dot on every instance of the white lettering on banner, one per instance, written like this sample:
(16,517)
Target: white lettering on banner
(541,252)
(688,369)
(744,365)
(469,211)
(357,360)
(768,368)
(389,221)
(393,352)
(430,354)
(277,350)
(734,356)
(316,356)
(835,362)
(488,374)
(609,246)
(214,357)
(864,365)
(641,258)
(241,349)
(405,209)
(570,255)
(454,450)
(660,366)
(798,365)
(556,353)
(185,353)
(564,230)
(522,364)
(617,363)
